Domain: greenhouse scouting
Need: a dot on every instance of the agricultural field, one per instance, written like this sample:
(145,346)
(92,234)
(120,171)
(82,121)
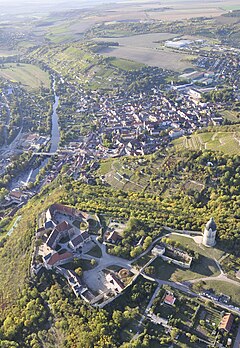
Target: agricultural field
(231,115)
(162,58)
(7,53)
(152,40)
(29,76)
(125,64)
(122,176)
(228,142)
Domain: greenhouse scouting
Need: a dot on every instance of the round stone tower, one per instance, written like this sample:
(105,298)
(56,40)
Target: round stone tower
(209,234)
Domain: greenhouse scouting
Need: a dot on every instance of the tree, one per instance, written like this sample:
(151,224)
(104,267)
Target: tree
(174,333)
(93,262)
(79,271)
(193,338)
(147,242)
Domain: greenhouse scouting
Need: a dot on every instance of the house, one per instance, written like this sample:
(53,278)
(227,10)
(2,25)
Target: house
(85,236)
(113,237)
(158,250)
(74,282)
(64,210)
(114,283)
(16,196)
(76,242)
(64,229)
(226,322)
(56,259)
(176,133)
(169,299)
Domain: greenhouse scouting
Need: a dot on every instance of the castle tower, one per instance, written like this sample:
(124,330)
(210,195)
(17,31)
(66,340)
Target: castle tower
(209,234)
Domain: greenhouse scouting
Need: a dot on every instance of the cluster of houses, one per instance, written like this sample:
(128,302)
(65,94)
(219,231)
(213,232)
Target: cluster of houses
(61,242)
(33,142)
(60,238)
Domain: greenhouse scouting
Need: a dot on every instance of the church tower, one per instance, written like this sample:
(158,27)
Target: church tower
(209,234)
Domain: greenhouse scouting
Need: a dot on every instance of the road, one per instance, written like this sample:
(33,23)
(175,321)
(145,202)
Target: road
(147,309)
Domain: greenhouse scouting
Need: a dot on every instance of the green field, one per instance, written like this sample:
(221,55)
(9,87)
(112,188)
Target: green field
(162,58)
(125,64)
(189,242)
(221,287)
(95,252)
(29,76)
(228,142)
(205,267)
(230,115)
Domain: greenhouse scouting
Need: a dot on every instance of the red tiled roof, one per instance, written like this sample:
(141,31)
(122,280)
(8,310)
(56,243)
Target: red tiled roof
(59,257)
(16,194)
(226,322)
(169,299)
(63,226)
(114,236)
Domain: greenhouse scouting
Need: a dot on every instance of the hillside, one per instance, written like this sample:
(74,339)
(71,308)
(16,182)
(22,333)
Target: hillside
(225,139)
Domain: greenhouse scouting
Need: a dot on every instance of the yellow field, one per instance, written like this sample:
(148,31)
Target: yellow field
(29,76)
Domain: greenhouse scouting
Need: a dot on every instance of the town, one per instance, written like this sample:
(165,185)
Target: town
(119,180)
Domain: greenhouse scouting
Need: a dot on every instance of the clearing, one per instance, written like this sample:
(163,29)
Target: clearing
(29,76)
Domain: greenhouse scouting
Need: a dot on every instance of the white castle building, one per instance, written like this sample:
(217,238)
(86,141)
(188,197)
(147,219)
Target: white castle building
(209,235)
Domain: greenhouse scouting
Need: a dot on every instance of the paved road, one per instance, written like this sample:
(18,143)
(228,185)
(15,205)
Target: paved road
(107,260)
(221,277)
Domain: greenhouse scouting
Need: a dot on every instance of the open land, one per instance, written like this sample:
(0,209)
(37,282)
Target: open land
(227,142)
(160,58)
(29,76)
(146,49)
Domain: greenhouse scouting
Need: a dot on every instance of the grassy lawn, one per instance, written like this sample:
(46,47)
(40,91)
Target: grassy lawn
(84,264)
(136,295)
(221,287)
(125,64)
(114,268)
(105,167)
(95,251)
(93,226)
(166,311)
(142,260)
(76,223)
(128,331)
(29,76)
(190,243)
(168,271)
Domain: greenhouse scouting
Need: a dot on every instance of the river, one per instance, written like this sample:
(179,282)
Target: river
(55,133)
(55,138)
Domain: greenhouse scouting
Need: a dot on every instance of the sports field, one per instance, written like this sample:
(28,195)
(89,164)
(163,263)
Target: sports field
(29,76)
